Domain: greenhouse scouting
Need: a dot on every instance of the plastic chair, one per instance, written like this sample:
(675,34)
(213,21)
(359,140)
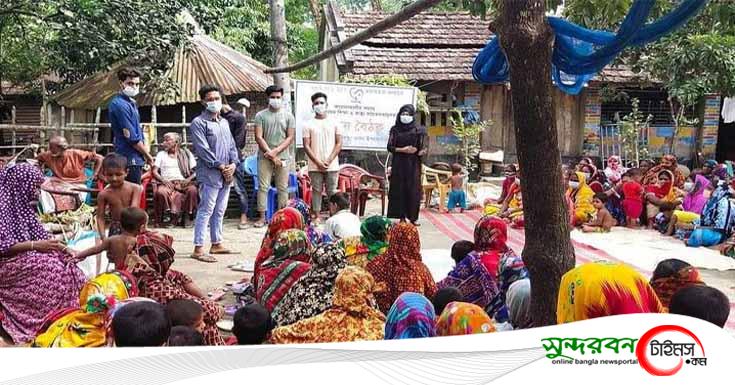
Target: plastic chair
(357,182)
(435,179)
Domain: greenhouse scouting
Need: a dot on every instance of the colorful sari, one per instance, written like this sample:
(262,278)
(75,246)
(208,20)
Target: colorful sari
(695,200)
(665,287)
(475,276)
(582,198)
(151,267)
(460,318)
(372,243)
(411,316)
(600,289)
(88,325)
(312,293)
(33,284)
(401,268)
(289,262)
(316,236)
(350,318)
(284,219)
(652,174)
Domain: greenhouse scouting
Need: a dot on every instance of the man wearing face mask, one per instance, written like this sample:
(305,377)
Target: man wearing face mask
(322,144)
(238,129)
(217,159)
(125,122)
(275,129)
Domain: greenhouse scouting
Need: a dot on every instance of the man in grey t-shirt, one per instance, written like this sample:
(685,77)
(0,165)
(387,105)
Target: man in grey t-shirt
(275,129)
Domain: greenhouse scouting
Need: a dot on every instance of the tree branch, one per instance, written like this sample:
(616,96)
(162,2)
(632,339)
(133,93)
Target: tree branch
(387,23)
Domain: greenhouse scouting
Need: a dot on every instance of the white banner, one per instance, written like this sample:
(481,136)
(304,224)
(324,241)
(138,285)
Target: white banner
(364,112)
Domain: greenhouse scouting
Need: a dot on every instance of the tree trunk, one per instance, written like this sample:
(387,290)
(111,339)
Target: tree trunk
(527,40)
(376,5)
(316,13)
(389,22)
(697,157)
(280,45)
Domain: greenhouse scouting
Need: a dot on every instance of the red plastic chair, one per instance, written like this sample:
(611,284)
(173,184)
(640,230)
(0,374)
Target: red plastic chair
(353,180)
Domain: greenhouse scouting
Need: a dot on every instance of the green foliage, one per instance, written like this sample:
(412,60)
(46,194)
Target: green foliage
(469,137)
(391,80)
(631,127)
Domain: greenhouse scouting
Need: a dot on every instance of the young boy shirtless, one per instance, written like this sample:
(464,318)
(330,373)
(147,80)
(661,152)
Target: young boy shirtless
(118,247)
(118,194)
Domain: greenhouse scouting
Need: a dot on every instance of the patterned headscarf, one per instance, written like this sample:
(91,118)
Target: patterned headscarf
(374,232)
(510,269)
(287,265)
(400,268)
(601,289)
(284,219)
(483,235)
(118,284)
(312,293)
(315,236)
(19,187)
(411,316)
(351,317)
(290,244)
(665,287)
(695,200)
(678,178)
(460,318)
(518,300)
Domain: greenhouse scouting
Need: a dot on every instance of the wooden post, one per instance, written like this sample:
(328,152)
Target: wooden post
(13,133)
(62,122)
(96,132)
(154,120)
(71,122)
(183,121)
(280,52)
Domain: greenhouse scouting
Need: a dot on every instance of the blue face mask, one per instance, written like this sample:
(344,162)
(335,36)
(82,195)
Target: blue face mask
(214,106)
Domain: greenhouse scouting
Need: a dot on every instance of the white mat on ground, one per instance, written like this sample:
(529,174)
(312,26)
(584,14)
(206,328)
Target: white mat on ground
(95,264)
(645,249)
(439,262)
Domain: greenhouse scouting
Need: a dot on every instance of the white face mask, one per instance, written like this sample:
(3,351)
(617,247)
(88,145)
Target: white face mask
(274,103)
(214,106)
(573,185)
(320,109)
(586,175)
(688,186)
(406,119)
(131,91)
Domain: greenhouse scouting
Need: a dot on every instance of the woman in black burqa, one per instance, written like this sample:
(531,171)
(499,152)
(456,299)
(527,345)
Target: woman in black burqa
(408,144)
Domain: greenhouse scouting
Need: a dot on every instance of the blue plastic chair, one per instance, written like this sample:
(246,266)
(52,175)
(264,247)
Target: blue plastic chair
(250,166)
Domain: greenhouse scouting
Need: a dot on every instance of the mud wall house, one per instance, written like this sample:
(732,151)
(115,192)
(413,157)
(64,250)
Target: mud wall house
(437,50)
(207,61)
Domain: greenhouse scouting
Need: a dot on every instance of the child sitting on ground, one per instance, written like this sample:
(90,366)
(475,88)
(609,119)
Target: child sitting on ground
(140,324)
(118,247)
(185,336)
(444,296)
(118,194)
(342,223)
(603,221)
(703,302)
(460,249)
(185,312)
(675,221)
(252,324)
(633,197)
(457,197)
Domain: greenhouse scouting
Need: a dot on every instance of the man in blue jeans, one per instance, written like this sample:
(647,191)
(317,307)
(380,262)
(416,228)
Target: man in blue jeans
(238,129)
(217,160)
(125,122)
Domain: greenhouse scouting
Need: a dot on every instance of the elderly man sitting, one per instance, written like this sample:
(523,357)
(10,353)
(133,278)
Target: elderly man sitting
(176,193)
(67,166)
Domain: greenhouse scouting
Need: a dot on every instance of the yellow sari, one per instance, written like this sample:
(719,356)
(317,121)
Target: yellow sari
(583,209)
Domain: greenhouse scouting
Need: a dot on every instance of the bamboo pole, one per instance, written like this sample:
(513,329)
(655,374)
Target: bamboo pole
(96,133)
(13,132)
(183,121)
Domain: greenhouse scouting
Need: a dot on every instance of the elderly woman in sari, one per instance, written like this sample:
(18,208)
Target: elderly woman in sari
(371,244)
(37,275)
(581,194)
(411,316)
(400,269)
(669,163)
(312,293)
(351,317)
(658,193)
(278,273)
(284,219)
(176,193)
(476,276)
(151,267)
(599,289)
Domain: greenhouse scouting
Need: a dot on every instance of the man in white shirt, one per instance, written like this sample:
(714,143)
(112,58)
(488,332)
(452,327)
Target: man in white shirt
(342,223)
(176,194)
(322,143)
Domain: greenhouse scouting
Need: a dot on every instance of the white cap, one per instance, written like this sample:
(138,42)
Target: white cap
(244,102)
